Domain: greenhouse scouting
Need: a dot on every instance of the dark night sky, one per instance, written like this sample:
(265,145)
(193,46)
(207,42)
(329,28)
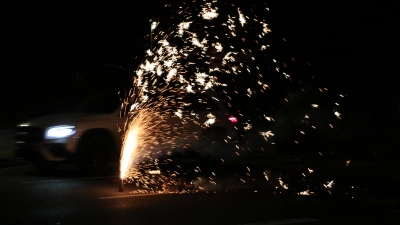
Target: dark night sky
(348,41)
(64,36)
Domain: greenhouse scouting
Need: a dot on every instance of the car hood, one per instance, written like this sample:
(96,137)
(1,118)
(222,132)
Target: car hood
(58,119)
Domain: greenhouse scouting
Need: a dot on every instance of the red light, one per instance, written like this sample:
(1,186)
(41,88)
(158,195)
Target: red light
(233,119)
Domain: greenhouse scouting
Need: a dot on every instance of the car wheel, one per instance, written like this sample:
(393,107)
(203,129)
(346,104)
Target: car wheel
(94,153)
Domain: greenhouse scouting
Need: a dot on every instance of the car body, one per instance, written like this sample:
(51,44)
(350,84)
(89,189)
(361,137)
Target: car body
(58,138)
(98,122)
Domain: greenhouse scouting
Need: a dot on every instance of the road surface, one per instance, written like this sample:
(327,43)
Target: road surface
(29,197)
(361,194)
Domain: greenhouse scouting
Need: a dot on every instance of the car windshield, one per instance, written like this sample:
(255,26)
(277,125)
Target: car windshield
(100,103)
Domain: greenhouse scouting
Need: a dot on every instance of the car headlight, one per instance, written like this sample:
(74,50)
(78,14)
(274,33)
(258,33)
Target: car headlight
(59,132)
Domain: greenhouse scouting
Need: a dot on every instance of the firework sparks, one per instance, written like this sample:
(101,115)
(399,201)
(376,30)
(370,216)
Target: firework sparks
(204,51)
(218,47)
(209,13)
(128,151)
(210,120)
(267,134)
(248,126)
(329,184)
(242,18)
(306,192)
(179,113)
(337,114)
(137,139)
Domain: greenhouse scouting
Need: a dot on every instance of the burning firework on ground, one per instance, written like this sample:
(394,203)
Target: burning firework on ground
(138,141)
(224,49)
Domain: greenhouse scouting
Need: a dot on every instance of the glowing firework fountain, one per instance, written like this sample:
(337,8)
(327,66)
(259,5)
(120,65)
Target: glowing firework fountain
(226,51)
(138,139)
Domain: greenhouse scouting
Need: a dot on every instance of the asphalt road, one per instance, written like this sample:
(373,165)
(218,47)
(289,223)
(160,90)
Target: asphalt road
(29,197)
(362,193)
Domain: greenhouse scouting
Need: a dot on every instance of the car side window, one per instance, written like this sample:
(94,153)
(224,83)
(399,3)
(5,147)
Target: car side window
(103,103)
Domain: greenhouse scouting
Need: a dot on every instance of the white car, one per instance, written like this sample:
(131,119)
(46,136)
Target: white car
(90,137)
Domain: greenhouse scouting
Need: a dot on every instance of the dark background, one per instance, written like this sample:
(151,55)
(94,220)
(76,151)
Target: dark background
(55,54)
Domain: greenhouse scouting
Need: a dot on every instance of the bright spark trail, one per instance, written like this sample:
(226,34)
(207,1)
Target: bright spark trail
(212,46)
